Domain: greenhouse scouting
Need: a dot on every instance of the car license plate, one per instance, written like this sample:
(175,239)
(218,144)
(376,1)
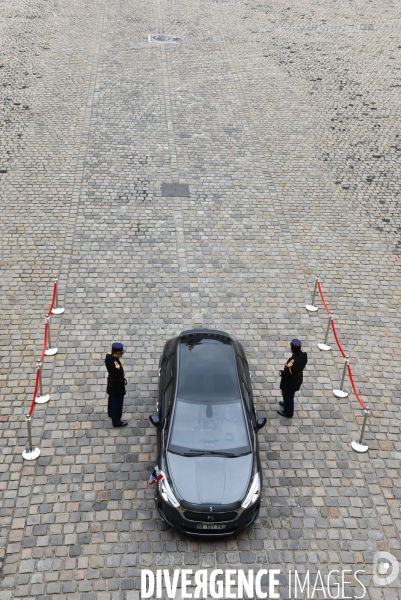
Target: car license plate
(202,526)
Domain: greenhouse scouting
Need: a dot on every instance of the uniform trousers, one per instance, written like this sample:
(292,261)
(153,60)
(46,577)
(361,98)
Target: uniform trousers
(288,399)
(115,409)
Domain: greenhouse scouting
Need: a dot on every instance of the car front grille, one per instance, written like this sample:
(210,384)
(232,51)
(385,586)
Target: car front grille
(210,517)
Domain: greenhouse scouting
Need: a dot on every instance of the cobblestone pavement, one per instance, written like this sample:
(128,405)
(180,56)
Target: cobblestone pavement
(283,118)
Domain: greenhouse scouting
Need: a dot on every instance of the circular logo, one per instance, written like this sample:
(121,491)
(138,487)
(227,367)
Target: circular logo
(385,568)
(162,38)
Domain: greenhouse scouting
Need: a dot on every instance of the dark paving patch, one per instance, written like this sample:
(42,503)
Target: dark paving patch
(175,190)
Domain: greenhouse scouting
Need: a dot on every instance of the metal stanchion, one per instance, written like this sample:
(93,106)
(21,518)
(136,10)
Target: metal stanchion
(340,393)
(324,346)
(310,307)
(359,446)
(42,398)
(57,310)
(30,453)
(49,350)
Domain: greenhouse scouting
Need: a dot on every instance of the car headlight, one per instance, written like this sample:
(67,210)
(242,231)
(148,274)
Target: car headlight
(167,493)
(254,492)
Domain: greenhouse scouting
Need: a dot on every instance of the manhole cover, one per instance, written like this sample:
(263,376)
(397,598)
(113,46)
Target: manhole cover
(175,190)
(161,38)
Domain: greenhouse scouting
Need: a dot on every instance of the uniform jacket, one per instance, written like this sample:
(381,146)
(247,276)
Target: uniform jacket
(116,377)
(291,375)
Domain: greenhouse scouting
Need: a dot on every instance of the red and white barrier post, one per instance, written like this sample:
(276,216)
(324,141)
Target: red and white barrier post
(311,307)
(324,346)
(55,308)
(360,446)
(42,398)
(340,393)
(49,350)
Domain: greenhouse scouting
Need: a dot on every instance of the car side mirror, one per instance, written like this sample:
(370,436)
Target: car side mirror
(260,423)
(154,419)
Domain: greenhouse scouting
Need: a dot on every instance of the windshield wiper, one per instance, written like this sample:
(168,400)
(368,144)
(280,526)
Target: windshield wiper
(223,453)
(208,452)
(194,453)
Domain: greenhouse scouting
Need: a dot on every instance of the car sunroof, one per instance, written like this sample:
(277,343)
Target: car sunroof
(207,368)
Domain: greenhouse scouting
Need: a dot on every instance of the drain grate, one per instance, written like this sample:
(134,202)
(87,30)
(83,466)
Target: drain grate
(175,190)
(162,38)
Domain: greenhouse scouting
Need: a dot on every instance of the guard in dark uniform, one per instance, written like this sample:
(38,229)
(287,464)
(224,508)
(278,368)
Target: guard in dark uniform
(116,383)
(292,378)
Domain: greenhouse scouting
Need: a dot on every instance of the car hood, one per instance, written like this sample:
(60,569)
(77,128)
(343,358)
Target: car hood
(210,479)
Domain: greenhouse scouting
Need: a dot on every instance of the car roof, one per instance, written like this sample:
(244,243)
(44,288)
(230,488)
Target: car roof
(206,367)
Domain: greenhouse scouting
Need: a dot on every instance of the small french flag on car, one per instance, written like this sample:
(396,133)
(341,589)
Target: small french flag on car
(155,476)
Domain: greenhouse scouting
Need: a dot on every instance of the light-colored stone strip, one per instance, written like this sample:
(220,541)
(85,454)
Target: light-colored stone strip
(175,175)
(182,259)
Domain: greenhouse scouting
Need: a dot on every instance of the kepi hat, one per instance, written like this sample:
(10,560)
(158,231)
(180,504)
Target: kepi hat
(117,347)
(296,345)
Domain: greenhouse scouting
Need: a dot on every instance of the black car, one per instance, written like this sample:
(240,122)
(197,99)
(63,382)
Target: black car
(207,435)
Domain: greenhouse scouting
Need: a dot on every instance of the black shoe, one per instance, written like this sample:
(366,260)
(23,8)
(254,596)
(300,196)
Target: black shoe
(281,404)
(282,414)
(121,424)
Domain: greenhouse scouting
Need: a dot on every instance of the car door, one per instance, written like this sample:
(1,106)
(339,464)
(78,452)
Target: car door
(162,375)
(245,383)
(169,379)
(249,383)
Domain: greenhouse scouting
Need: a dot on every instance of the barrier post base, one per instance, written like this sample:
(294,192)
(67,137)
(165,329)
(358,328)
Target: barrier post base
(31,454)
(324,347)
(340,393)
(51,351)
(359,447)
(57,311)
(42,399)
(311,308)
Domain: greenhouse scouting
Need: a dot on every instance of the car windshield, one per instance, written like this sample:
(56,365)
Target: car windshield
(208,427)
(207,370)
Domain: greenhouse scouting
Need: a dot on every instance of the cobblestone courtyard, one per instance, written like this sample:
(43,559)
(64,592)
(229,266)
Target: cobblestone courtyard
(284,120)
